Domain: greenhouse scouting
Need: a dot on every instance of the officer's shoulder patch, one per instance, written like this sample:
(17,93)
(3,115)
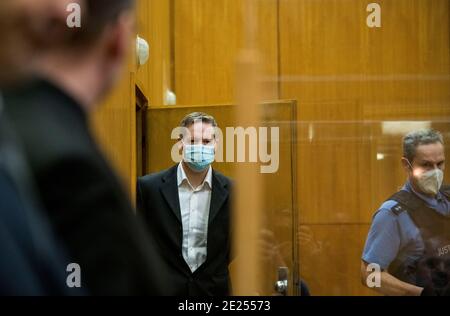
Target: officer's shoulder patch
(397,209)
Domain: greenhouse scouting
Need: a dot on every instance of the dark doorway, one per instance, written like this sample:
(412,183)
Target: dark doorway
(141,131)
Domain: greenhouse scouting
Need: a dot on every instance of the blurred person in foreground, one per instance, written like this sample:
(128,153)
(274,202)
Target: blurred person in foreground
(73,69)
(31,261)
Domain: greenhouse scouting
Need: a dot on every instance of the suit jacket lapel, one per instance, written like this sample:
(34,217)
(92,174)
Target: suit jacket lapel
(169,190)
(219,195)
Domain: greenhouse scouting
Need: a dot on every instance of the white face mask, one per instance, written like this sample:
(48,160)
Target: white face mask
(430,182)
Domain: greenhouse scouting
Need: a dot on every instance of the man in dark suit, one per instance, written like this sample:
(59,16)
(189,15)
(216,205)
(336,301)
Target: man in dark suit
(84,200)
(187,211)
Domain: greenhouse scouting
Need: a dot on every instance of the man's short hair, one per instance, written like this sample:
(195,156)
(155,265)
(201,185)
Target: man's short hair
(420,137)
(194,117)
(96,15)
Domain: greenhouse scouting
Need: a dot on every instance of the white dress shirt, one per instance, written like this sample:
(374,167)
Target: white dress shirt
(194,206)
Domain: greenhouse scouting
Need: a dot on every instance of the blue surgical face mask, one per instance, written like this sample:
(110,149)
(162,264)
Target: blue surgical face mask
(198,157)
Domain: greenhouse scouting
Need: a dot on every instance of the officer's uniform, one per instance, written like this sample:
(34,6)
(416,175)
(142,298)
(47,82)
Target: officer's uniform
(410,235)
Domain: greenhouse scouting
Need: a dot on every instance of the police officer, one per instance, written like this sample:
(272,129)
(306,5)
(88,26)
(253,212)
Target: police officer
(410,232)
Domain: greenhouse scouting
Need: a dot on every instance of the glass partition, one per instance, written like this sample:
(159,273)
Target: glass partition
(358,75)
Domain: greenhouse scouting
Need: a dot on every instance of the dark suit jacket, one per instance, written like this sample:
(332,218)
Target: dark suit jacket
(158,204)
(85,203)
(31,261)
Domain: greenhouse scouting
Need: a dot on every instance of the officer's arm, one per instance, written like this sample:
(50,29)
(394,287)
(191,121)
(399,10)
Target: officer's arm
(389,285)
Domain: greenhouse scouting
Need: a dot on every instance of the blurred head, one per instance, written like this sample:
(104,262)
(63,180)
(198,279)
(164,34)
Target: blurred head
(424,160)
(198,141)
(89,59)
(23,24)
(108,31)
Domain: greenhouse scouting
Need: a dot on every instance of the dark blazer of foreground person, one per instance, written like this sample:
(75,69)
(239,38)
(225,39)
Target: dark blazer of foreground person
(85,203)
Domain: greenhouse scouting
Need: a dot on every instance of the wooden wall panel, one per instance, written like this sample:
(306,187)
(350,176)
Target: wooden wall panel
(143,26)
(114,125)
(333,149)
(153,24)
(208,35)
(160,40)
